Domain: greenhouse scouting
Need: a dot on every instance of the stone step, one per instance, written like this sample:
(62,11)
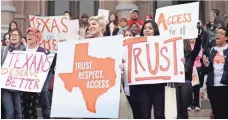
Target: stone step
(204,113)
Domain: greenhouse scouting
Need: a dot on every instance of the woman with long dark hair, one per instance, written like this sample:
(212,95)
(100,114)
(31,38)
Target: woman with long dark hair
(6,40)
(12,25)
(83,25)
(144,96)
(184,90)
(112,27)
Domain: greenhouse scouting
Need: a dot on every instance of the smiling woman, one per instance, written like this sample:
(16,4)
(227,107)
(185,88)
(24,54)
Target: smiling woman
(29,100)
(97,26)
(11,99)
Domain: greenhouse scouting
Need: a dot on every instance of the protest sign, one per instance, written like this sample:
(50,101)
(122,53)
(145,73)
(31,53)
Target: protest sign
(55,29)
(152,60)
(178,20)
(88,79)
(105,13)
(25,71)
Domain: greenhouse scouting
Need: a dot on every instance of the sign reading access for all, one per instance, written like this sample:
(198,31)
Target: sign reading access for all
(25,71)
(152,60)
(88,79)
(55,29)
(178,20)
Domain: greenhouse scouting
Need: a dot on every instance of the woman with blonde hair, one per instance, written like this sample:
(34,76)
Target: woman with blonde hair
(96,28)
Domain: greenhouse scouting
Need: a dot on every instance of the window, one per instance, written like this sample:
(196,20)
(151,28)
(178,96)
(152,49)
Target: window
(77,8)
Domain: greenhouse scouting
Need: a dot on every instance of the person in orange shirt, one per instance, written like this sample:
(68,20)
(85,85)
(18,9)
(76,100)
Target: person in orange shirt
(135,19)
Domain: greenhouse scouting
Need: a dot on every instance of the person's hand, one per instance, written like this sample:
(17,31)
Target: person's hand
(183,60)
(112,27)
(205,61)
(122,69)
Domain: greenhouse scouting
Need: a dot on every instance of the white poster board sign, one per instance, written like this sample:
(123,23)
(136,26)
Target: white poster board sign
(87,83)
(178,20)
(105,13)
(152,60)
(25,71)
(54,29)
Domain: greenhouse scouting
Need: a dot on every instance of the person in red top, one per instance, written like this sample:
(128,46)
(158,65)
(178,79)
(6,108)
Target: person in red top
(135,19)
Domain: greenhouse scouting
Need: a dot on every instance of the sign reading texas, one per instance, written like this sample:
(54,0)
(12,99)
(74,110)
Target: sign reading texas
(94,76)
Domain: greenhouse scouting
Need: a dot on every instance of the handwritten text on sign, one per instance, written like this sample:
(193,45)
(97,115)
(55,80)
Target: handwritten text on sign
(151,60)
(182,21)
(54,29)
(25,71)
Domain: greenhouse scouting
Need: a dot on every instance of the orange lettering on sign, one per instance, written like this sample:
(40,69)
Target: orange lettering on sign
(173,20)
(159,51)
(49,24)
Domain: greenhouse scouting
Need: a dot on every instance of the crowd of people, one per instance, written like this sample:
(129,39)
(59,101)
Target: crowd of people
(208,53)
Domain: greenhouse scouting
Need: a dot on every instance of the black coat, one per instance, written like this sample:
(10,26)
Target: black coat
(191,57)
(108,33)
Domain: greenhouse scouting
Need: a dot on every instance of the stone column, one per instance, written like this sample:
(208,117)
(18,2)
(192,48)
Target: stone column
(226,13)
(7,12)
(124,8)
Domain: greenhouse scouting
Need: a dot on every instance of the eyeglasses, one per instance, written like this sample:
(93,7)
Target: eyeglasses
(14,35)
(30,34)
(220,33)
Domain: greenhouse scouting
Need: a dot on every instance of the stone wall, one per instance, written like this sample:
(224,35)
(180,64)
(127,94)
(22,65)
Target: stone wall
(19,10)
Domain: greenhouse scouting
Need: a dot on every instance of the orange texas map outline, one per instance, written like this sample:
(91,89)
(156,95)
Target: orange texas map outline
(71,80)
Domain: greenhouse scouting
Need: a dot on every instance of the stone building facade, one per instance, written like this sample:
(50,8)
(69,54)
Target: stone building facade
(19,10)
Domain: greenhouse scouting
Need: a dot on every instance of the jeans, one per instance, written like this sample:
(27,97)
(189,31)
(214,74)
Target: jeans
(45,99)
(12,104)
(183,93)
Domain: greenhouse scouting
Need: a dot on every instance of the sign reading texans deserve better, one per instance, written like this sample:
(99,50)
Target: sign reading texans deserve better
(25,71)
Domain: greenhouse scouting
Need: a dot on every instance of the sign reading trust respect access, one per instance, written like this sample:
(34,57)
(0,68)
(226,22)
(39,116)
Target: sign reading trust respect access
(178,20)
(89,79)
(25,71)
(55,29)
(152,60)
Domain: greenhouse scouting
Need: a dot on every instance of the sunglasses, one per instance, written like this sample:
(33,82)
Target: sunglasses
(84,17)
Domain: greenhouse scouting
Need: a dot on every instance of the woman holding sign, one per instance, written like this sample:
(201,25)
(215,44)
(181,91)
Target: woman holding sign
(144,96)
(29,99)
(96,28)
(217,80)
(11,99)
(184,90)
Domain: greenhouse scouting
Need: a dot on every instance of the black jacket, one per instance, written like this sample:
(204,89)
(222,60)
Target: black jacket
(210,70)
(108,33)
(191,57)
